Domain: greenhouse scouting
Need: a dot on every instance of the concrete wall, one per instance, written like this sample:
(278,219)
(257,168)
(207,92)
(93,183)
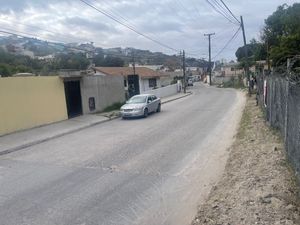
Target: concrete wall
(144,84)
(221,80)
(106,90)
(165,81)
(164,91)
(27,102)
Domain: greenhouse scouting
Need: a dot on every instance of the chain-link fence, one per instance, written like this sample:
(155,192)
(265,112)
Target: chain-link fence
(279,97)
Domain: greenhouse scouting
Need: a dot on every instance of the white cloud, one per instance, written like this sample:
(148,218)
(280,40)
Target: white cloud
(177,23)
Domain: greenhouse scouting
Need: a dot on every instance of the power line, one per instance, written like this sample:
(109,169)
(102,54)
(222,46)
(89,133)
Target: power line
(196,8)
(116,13)
(221,7)
(38,28)
(138,56)
(221,13)
(29,35)
(226,45)
(182,6)
(129,27)
(230,12)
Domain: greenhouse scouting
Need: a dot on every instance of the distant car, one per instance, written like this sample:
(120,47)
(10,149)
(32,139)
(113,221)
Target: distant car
(141,106)
(190,82)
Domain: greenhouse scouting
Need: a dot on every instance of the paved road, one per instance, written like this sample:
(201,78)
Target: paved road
(142,171)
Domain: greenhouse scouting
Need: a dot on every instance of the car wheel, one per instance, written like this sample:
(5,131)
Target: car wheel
(146,112)
(158,108)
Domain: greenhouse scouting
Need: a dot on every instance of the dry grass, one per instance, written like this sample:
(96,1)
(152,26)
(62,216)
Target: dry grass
(258,186)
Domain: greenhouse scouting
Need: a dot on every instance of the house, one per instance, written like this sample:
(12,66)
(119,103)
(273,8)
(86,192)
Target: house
(47,58)
(86,93)
(260,67)
(225,72)
(231,70)
(152,67)
(136,81)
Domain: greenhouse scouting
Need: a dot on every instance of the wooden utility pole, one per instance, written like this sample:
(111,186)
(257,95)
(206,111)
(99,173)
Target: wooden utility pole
(184,74)
(246,57)
(209,50)
(133,62)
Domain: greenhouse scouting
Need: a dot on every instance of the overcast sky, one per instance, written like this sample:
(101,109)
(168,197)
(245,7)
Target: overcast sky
(180,24)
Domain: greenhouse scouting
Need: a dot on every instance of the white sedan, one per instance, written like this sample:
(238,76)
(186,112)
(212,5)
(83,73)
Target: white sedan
(141,105)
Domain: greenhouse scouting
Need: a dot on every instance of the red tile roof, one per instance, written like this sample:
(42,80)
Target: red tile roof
(125,71)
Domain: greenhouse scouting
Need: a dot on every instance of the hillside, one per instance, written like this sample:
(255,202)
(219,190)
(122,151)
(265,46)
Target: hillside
(24,54)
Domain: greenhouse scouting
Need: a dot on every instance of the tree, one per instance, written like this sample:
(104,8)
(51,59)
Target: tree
(256,51)
(108,61)
(4,70)
(172,64)
(75,61)
(282,33)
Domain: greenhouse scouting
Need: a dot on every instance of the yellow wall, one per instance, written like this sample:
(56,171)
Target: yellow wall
(27,102)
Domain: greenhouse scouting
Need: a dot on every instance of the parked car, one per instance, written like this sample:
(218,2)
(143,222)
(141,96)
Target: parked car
(141,106)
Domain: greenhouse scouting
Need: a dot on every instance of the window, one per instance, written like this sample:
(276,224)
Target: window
(149,99)
(152,82)
(125,83)
(232,68)
(92,105)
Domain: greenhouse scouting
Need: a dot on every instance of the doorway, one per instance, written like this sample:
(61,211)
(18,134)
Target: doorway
(73,98)
(133,85)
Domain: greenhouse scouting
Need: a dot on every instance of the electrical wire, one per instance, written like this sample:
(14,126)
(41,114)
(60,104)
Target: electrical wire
(116,13)
(196,8)
(138,56)
(129,27)
(182,6)
(221,13)
(224,10)
(42,29)
(230,11)
(226,45)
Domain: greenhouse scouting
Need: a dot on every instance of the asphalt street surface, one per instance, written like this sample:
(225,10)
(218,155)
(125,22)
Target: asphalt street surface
(124,172)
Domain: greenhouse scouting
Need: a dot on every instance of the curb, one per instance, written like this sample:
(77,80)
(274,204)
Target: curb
(14,149)
(171,100)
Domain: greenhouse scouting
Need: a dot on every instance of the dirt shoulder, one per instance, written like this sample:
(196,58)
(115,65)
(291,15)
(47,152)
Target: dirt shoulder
(258,185)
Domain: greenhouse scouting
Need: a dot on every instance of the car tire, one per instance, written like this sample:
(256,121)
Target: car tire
(158,108)
(146,112)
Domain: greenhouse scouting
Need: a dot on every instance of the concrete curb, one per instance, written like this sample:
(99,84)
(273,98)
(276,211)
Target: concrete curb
(174,99)
(20,147)
(17,148)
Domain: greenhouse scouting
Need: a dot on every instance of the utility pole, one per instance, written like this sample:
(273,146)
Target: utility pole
(209,50)
(246,56)
(133,62)
(183,68)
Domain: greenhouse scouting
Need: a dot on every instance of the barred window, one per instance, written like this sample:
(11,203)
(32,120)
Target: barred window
(152,82)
